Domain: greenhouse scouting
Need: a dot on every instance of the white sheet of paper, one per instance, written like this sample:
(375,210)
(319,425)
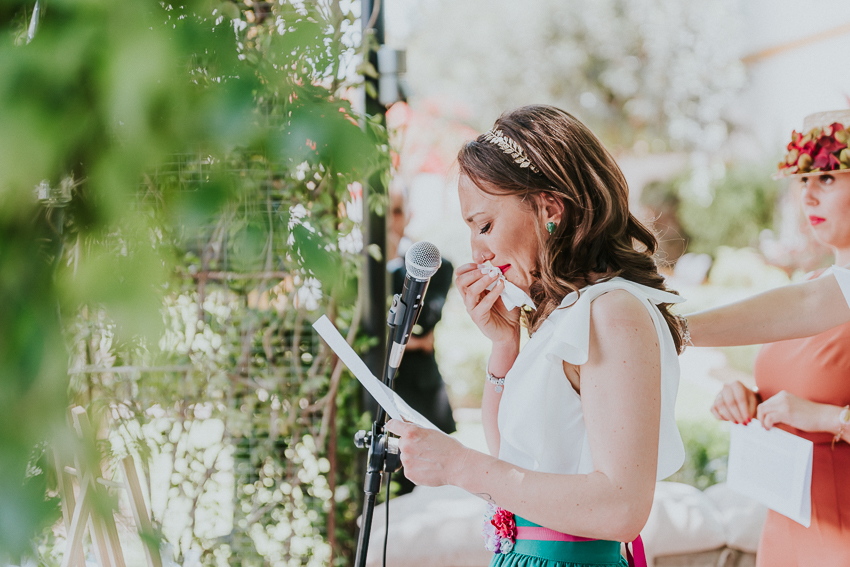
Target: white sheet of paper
(773,467)
(842,274)
(392,403)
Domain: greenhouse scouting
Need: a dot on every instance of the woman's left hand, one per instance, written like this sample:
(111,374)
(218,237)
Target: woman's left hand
(430,457)
(791,410)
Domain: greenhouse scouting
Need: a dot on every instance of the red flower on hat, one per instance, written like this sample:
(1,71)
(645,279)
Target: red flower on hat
(818,150)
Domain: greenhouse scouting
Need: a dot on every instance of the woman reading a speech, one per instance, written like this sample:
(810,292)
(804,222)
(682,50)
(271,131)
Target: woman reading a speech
(580,422)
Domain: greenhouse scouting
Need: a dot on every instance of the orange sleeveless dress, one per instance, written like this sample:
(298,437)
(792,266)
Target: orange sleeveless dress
(817,369)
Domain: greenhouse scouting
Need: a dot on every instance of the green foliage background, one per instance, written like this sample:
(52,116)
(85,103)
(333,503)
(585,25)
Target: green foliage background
(706,452)
(151,158)
(739,206)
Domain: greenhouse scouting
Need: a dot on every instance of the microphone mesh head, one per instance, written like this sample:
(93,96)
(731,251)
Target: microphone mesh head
(422,261)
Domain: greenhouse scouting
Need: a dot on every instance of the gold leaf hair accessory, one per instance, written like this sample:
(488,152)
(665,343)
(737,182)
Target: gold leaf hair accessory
(508,146)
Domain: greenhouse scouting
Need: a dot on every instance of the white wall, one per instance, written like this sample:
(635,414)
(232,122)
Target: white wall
(784,88)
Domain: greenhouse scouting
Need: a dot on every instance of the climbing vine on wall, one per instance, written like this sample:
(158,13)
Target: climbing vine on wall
(196,210)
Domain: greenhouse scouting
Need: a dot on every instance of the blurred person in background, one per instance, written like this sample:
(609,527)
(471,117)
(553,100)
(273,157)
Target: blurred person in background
(580,422)
(803,385)
(419,380)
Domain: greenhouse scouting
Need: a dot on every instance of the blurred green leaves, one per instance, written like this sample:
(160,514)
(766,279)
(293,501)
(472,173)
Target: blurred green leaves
(310,248)
(706,449)
(741,205)
(103,99)
(32,357)
(729,210)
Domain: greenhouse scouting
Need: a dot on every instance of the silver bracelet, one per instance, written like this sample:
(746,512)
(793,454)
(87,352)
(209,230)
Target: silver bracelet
(499,382)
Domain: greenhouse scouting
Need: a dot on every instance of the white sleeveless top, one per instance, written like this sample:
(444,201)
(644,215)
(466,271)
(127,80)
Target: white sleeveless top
(843,277)
(541,423)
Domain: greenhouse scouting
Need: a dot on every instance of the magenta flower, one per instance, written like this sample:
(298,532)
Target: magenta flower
(820,149)
(499,530)
(504,524)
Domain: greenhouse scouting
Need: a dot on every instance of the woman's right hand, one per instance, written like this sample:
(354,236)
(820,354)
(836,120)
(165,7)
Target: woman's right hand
(735,403)
(487,312)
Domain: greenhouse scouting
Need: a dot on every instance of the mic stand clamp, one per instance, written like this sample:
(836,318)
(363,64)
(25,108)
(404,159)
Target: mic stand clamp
(383,455)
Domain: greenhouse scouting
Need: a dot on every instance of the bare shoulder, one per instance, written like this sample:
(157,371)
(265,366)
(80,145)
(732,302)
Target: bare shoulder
(622,332)
(618,308)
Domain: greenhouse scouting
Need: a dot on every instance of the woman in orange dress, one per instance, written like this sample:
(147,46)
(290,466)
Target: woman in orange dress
(804,384)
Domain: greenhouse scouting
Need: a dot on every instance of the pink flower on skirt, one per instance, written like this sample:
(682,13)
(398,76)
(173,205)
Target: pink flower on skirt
(504,523)
(499,530)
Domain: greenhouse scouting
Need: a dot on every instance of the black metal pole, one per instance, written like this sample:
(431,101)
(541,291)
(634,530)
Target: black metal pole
(373,288)
(365,520)
(371,487)
(374,277)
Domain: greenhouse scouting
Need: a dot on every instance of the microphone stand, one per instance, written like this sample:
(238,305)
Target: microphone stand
(383,450)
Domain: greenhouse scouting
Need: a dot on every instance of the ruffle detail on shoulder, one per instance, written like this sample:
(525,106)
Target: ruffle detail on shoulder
(570,340)
(843,277)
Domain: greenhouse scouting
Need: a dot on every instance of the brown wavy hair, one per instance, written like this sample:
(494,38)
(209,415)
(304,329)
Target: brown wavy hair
(597,238)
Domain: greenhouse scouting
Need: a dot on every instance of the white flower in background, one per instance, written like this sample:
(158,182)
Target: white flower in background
(301,171)
(351,243)
(310,293)
(186,334)
(296,213)
(354,207)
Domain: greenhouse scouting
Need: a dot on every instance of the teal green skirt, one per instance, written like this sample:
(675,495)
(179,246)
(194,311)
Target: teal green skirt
(534,553)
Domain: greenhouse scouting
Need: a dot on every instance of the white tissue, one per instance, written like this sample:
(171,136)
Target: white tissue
(512,296)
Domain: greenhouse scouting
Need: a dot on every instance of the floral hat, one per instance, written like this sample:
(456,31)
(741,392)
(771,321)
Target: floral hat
(820,148)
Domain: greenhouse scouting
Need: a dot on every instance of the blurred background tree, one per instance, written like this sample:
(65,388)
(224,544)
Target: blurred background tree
(654,74)
(195,164)
(732,210)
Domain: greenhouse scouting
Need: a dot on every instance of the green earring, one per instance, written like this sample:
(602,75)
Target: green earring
(551,226)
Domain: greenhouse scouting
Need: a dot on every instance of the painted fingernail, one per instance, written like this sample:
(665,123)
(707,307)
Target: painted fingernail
(485,271)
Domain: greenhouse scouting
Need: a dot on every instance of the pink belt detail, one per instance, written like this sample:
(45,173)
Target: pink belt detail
(636,559)
(545,534)
(639,558)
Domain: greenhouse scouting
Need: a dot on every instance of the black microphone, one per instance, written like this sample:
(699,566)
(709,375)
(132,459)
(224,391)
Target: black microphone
(421,262)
